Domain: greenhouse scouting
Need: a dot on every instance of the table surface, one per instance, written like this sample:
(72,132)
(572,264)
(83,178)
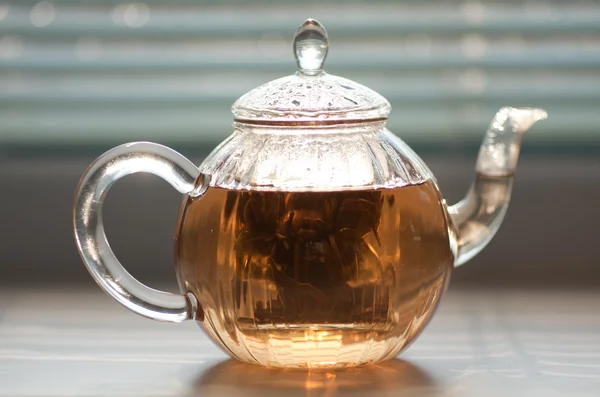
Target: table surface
(65,342)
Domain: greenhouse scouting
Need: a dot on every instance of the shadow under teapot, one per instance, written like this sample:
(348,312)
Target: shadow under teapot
(390,378)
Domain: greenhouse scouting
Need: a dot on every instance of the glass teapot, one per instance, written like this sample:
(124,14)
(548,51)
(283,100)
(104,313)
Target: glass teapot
(312,236)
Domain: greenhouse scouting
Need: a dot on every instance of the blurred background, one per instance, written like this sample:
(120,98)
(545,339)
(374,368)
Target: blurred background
(78,77)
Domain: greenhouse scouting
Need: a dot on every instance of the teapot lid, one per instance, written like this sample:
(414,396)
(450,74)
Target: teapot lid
(310,96)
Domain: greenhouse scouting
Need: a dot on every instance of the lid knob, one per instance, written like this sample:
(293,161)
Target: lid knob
(310,47)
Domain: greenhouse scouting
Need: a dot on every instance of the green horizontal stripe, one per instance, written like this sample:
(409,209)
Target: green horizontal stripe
(175,30)
(168,103)
(191,149)
(559,40)
(549,60)
(352,20)
(443,123)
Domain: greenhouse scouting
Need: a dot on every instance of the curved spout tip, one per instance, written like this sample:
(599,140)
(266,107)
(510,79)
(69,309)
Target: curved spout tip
(536,114)
(539,114)
(500,148)
(519,119)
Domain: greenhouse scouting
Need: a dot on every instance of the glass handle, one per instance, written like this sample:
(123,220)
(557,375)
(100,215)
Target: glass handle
(90,237)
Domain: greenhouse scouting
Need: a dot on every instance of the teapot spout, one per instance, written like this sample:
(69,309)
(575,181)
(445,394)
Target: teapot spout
(499,151)
(478,216)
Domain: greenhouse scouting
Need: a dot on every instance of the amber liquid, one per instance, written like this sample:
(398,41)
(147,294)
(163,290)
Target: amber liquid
(315,279)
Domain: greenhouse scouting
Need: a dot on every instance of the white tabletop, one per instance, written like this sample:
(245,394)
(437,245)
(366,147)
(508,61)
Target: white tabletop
(65,342)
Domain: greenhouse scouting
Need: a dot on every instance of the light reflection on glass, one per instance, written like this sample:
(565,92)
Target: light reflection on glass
(4,8)
(473,11)
(133,15)
(474,46)
(11,46)
(42,14)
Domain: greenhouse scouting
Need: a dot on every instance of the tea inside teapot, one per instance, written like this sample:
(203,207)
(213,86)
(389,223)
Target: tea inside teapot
(312,278)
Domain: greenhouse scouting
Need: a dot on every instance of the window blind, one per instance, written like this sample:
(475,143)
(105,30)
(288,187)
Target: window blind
(106,72)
